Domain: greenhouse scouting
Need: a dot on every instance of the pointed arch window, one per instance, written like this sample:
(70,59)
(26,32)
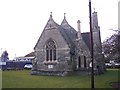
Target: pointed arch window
(85,61)
(50,50)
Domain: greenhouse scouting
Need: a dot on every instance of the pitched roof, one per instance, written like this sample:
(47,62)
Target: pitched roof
(86,38)
(69,33)
(32,54)
(72,33)
(67,38)
(51,24)
(70,30)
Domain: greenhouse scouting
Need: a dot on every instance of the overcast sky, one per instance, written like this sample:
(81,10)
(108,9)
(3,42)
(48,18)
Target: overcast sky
(22,21)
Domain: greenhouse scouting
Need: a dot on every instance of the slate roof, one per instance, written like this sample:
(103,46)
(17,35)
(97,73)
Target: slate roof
(32,54)
(72,33)
(86,38)
(69,30)
(68,39)
(51,23)
(69,33)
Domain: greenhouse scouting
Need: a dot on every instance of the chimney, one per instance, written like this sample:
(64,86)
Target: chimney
(79,29)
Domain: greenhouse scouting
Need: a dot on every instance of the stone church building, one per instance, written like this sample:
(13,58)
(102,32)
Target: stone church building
(61,49)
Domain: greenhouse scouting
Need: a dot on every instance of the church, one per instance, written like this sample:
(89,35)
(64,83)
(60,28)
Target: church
(61,50)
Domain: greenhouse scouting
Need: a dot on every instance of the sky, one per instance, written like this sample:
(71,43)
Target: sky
(22,21)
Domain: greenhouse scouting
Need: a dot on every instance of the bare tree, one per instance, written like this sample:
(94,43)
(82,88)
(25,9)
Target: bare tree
(111,47)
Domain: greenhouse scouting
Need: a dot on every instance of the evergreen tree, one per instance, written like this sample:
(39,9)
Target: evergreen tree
(4,56)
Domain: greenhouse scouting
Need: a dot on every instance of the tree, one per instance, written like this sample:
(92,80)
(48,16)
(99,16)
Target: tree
(4,56)
(111,47)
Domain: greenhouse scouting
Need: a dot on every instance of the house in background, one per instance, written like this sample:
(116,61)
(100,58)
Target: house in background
(28,57)
(61,49)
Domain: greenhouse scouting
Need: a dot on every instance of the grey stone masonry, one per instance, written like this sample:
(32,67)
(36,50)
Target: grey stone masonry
(61,50)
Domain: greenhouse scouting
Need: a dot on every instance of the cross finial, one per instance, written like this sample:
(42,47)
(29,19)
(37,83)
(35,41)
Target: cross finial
(50,14)
(64,15)
(78,21)
(94,9)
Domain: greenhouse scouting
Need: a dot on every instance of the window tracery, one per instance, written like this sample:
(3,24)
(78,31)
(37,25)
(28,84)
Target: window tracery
(50,51)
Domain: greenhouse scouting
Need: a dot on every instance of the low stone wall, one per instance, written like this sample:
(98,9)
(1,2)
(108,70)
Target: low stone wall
(66,73)
(50,73)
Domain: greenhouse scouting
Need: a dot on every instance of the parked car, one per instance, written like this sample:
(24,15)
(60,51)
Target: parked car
(28,66)
(112,65)
(117,65)
(108,65)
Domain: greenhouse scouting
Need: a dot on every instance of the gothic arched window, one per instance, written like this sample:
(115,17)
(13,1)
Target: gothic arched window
(50,51)
(85,61)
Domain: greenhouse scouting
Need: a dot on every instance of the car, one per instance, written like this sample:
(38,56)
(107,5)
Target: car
(108,65)
(117,65)
(28,66)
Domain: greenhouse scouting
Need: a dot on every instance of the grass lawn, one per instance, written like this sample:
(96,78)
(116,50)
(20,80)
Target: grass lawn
(23,79)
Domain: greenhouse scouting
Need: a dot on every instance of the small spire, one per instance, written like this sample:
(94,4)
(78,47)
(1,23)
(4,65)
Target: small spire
(51,14)
(78,21)
(64,15)
(94,9)
(64,22)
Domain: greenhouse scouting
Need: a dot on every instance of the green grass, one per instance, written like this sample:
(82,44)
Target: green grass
(0,79)
(23,79)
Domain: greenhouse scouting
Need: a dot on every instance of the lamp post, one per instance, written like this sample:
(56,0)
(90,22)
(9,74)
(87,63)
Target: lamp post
(91,48)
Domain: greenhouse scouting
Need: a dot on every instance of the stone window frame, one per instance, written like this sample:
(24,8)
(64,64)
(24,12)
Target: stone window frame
(50,51)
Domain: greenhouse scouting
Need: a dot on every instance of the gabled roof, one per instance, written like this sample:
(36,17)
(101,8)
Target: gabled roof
(68,33)
(70,30)
(51,24)
(32,54)
(72,33)
(66,36)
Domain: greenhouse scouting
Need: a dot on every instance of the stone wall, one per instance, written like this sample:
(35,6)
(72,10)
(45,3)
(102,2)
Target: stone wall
(62,63)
